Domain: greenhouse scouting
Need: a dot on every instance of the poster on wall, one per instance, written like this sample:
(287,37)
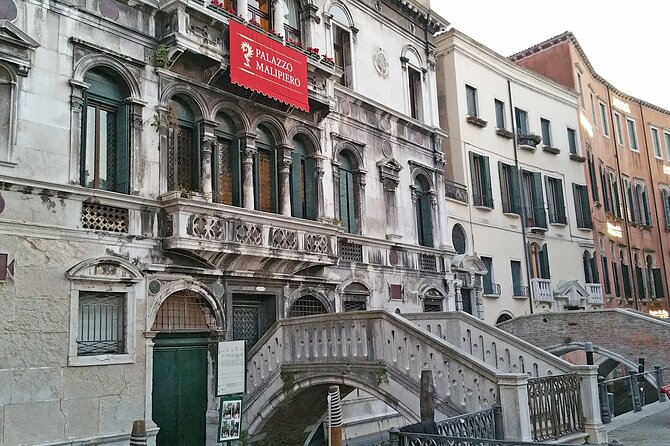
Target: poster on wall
(229,419)
(231,363)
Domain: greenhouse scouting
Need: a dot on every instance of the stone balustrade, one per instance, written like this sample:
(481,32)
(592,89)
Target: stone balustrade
(491,345)
(595,291)
(542,290)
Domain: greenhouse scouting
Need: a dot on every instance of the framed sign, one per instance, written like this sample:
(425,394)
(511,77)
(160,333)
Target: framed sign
(230,413)
(231,372)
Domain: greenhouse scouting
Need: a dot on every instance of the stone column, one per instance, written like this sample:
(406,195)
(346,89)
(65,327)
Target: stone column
(336,190)
(76,112)
(391,210)
(451,294)
(588,383)
(243,9)
(284,180)
(479,301)
(279,11)
(513,394)
(208,146)
(459,297)
(248,172)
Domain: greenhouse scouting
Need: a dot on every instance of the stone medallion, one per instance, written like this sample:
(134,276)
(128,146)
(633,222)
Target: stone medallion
(345,108)
(386,148)
(7,10)
(109,9)
(380,62)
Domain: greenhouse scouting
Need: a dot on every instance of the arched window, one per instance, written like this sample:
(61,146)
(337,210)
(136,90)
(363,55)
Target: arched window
(261,12)
(185,310)
(7,93)
(303,182)
(355,297)
(424,215)
(539,261)
(590,268)
(184,159)
(307,306)
(292,25)
(502,318)
(347,193)
(341,28)
(105,157)
(432,301)
(265,172)
(651,289)
(227,165)
(412,65)
(639,277)
(458,239)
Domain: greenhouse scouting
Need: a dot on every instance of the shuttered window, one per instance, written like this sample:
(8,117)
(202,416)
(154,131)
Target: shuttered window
(500,114)
(346,195)
(639,277)
(534,200)
(665,196)
(509,188)
(582,207)
(266,173)
(606,276)
(593,177)
(303,182)
(659,289)
(482,194)
(556,202)
(424,218)
(625,275)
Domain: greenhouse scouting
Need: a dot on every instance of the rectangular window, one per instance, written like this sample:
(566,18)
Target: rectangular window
(656,141)
(500,115)
(487,280)
(665,196)
(667,144)
(471,98)
(415,96)
(632,135)
(616,196)
(482,194)
(619,129)
(517,283)
(603,118)
(593,109)
(546,131)
(533,200)
(572,141)
(102,323)
(555,200)
(582,206)
(509,188)
(342,55)
(629,190)
(521,117)
(581,89)
(642,205)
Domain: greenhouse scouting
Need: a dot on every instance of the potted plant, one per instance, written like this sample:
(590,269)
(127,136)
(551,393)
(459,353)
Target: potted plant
(313,52)
(295,44)
(275,35)
(325,59)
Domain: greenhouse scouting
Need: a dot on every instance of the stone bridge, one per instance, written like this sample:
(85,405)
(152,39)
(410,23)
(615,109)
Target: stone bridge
(474,367)
(620,335)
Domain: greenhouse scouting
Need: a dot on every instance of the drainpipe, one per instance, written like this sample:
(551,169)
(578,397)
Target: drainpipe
(624,197)
(523,208)
(653,194)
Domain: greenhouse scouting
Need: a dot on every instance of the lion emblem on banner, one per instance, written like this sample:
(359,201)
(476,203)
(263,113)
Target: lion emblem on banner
(247,52)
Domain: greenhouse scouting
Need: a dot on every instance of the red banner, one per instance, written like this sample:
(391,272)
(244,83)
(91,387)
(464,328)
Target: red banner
(266,66)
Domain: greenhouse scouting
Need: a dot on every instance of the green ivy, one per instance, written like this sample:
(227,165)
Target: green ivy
(162,58)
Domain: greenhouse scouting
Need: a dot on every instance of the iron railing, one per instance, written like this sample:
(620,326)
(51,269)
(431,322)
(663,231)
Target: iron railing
(482,424)
(555,406)
(520,291)
(398,438)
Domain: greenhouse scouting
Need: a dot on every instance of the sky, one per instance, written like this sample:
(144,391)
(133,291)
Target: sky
(626,42)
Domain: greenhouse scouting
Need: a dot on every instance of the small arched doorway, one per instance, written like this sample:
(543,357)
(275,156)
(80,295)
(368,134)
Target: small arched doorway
(181,371)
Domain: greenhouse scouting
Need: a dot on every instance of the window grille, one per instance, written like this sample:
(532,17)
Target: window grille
(307,306)
(351,252)
(428,262)
(104,218)
(184,311)
(354,305)
(102,323)
(432,305)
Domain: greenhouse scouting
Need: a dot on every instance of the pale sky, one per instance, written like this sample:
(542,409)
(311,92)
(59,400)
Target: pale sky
(628,43)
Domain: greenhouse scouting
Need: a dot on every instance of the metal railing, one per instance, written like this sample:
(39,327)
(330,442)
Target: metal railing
(492,289)
(555,406)
(520,291)
(482,424)
(398,438)
(633,379)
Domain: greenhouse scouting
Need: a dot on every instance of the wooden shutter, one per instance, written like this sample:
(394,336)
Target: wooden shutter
(515,190)
(347,209)
(474,178)
(579,211)
(195,158)
(505,193)
(586,207)
(639,276)
(625,274)
(615,276)
(551,204)
(658,282)
(122,149)
(593,177)
(594,270)
(426,223)
(486,183)
(544,263)
(560,202)
(607,196)
(538,201)
(666,207)
(297,185)
(236,165)
(310,189)
(606,276)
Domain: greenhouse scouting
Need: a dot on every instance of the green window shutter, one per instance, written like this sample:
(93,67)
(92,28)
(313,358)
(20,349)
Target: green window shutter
(347,210)
(606,276)
(586,207)
(625,275)
(551,205)
(538,201)
(310,189)
(560,202)
(593,177)
(639,276)
(474,178)
(297,185)
(486,183)
(658,283)
(576,197)
(195,159)
(504,187)
(235,151)
(594,270)
(615,276)
(122,149)
(84,120)
(544,263)
(426,221)
(515,190)
(606,192)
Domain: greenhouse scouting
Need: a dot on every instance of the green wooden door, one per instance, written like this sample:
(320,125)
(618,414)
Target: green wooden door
(180,389)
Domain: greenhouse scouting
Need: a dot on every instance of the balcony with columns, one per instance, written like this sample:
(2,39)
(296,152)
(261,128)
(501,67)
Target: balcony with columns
(542,290)
(595,293)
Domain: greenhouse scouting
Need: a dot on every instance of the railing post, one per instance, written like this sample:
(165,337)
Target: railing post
(658,373)
(394,436)
(605,415)
(498,422)
(591,405)
(634,390)
(513,394)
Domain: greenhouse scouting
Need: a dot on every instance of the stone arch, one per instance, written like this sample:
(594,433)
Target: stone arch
(276,399)
(411,50)
(419,174)
(504,316)
(354,153)
(427,289)
(234,112)
(307,135)
(192,285)
(274,126)
(308,291)
(338,4)
(344,284)
(90,61)
(193,97)
(105,269)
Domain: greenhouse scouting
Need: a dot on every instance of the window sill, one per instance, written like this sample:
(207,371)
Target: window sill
(511,214)
(491,295)
(550,149)
(476,121)
(558,224)
(483,207)
(520,297)
(585,229)
(578,158)
(110,359)
(527,147)
(504,133)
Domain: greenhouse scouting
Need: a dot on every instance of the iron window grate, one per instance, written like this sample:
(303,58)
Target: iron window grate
(428,262)
(102,323)
(354,305)
(104,218)
(432,305)
(307,306)
(183,311)
(351,252)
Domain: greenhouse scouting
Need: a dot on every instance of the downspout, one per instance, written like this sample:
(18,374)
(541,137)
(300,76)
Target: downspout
(523,208)
(624,196)
(653,194)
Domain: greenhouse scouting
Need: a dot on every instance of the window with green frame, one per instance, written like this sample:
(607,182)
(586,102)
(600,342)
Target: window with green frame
(266,172)
(424,215)
(509,188)
(227,163)
(184,158)
(347,190)
(482,194)
(303,182)
(105,145)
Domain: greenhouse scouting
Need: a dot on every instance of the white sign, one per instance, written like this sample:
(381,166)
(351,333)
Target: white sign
(666,170)
(621,105)
(231,368)
(614,230)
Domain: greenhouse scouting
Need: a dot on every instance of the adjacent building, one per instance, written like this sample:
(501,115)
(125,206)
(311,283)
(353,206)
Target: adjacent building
(626,143)
(178,173)
(516,192)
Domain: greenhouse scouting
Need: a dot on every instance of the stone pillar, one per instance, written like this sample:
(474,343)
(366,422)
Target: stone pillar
(336,190)
(248,172)
(391,210)
(279,11)
(658,375)
(588,383)
(513,394)
(208,145)
(459,297)
(285,180)
(76,112)
(451,294)
(243,9)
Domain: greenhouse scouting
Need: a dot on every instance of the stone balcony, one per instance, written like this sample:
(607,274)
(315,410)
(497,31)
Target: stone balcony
(237,238)
(595,293)
(542,290)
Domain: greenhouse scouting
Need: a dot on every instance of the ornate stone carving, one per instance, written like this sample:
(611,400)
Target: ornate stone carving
(248,234)
(317,243)
(380,62)
(283,238)
(207,227)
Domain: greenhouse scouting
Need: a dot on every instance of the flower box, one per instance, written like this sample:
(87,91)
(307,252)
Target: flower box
(550,149)
(504,133)
(476,121)
(528,139)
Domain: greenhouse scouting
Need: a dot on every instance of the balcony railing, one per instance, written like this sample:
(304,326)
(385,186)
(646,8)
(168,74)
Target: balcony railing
(595,291)
(492,289)
(542,290)
(456,191)
(520,291)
